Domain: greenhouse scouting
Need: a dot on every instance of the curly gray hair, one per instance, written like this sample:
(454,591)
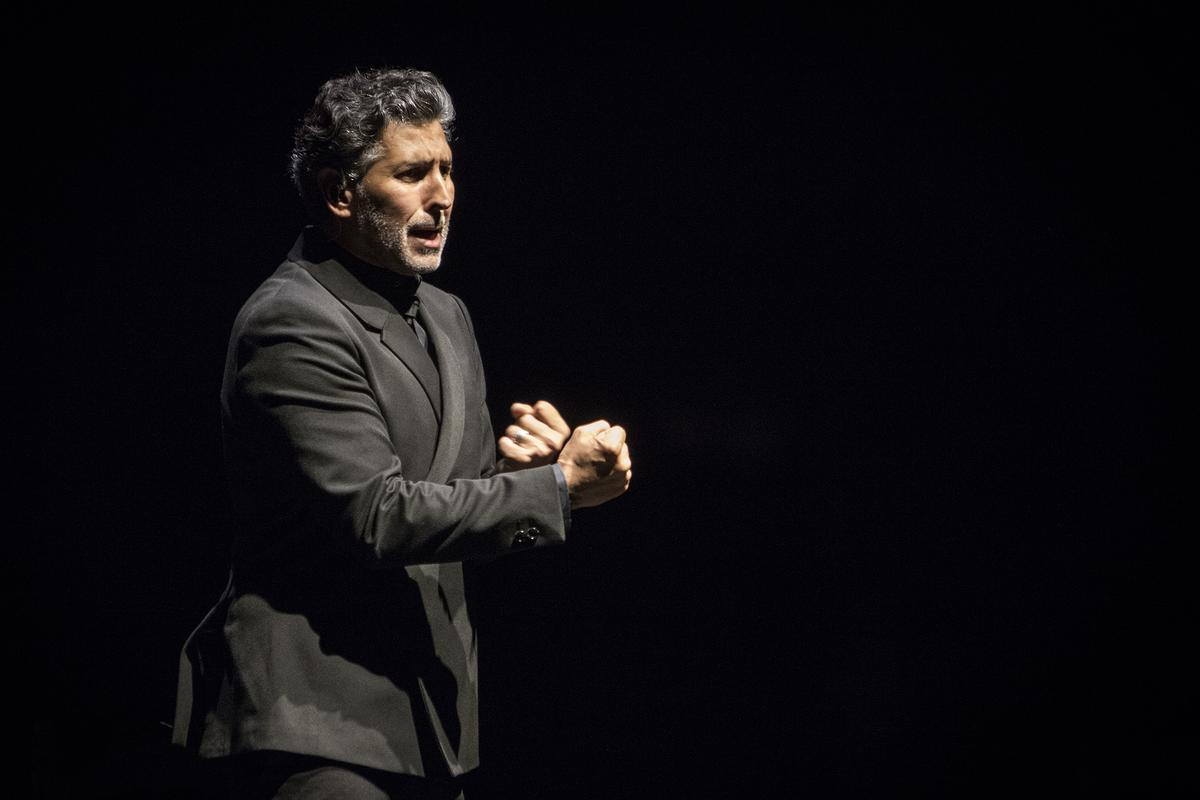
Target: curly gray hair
(342,129)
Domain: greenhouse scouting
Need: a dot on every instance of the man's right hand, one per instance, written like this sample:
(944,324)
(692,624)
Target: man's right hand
(595,461)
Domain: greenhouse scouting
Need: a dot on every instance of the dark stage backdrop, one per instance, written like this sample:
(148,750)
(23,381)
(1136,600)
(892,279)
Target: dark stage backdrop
(887,305)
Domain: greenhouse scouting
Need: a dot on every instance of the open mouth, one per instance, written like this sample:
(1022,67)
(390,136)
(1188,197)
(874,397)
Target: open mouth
(426,235)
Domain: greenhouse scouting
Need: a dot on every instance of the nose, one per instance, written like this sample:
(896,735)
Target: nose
(440,193)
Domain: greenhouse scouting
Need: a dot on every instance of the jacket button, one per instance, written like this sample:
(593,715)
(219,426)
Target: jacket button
(524,537)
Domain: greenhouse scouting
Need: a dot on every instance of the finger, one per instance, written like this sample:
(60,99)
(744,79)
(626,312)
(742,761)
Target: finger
(547,413)
(513,451)
(518,436)
(520,409)
(525,439)
(623,463)
(613,439)
(594,428)
(542,431)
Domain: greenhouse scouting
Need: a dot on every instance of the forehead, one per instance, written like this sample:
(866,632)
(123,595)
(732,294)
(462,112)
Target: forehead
(414,143)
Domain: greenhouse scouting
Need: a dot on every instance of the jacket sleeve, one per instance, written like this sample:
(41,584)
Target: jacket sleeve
(310,454)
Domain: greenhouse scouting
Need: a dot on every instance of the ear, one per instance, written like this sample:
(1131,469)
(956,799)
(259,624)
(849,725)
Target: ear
(335,196)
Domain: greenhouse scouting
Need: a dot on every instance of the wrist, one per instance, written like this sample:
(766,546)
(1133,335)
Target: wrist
(568,473)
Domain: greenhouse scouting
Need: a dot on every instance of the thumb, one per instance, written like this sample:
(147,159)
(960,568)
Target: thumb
(612,439)
(595,429)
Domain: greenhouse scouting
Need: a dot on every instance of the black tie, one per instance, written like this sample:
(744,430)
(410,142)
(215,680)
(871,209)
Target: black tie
(410,316)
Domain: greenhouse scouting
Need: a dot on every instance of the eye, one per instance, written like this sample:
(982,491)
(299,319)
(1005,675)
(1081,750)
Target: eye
(447,170)
(411,175)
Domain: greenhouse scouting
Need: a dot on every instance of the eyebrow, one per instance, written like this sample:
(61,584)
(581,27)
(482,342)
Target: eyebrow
(426,162)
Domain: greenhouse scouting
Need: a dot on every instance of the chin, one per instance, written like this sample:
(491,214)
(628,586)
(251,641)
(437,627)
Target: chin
(423,266)
(423,263)
(410,263)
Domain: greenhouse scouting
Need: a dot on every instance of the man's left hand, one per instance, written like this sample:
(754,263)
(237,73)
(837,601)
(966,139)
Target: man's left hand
(534,439)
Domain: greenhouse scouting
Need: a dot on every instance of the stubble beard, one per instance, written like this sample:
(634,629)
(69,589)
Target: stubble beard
(392,239)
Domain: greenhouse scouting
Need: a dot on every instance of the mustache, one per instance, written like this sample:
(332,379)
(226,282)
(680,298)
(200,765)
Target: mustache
(438,226)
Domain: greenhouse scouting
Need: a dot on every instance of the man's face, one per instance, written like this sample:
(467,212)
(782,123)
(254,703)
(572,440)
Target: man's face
(401,207)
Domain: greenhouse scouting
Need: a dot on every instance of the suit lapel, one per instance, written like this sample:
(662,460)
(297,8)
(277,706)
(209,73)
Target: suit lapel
(374,312)
(450,369)
(399,338)
(444,385)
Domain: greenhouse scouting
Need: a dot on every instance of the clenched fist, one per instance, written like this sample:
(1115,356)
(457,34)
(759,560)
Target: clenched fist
(596,463)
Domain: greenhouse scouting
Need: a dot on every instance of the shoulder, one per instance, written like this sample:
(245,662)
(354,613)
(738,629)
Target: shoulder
(291,298)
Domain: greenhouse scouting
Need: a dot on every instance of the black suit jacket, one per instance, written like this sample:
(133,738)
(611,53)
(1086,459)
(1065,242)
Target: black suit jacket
(361,476)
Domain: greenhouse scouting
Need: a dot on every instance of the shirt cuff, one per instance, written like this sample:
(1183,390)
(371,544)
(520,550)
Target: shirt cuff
(564,496)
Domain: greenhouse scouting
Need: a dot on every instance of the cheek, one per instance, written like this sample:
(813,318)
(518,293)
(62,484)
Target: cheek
(403,203)
(406,201)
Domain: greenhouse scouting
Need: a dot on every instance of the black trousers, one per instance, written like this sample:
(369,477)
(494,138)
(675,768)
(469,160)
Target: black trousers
(272,775)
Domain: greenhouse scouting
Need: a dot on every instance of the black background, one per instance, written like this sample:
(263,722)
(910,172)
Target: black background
(889,306)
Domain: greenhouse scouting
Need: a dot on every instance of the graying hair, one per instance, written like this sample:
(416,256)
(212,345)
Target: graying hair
(342,130)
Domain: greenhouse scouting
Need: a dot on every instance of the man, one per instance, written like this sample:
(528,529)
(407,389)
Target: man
(341,660)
